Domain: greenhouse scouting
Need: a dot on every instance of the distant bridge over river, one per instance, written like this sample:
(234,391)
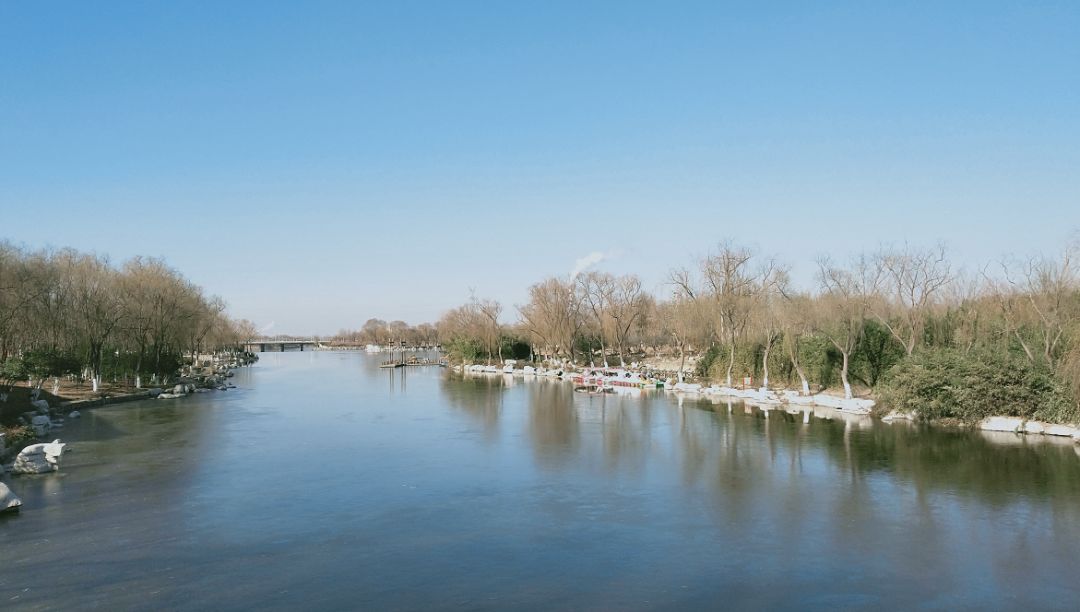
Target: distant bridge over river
(289,343)
(265,345)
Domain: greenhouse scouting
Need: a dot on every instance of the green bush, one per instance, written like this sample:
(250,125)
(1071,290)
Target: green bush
(948,384)
(43,363)
(706,361)
(876,353)
(463,350)
(18,437)
(514,348)
(14,369)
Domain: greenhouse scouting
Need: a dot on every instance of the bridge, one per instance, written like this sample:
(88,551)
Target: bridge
(264,345)
(289,343)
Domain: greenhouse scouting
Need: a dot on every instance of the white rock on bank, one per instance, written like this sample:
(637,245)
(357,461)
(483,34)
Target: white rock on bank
(855,405)
(1034,427)
(39,458)
(1008,424)
(9,502)
(1062,430)
(74,414)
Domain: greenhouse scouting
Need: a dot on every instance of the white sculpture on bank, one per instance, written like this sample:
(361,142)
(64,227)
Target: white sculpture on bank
(39,458)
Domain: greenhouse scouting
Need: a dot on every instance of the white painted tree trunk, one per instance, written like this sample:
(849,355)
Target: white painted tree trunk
(731,364)
(843,377)
(805,385)
(765,369)
(95,380)
(138,381)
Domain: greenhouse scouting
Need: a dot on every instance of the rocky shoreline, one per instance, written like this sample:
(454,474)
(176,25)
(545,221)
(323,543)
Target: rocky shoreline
(45,419)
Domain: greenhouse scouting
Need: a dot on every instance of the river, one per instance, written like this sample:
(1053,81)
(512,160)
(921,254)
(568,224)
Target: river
(327,483)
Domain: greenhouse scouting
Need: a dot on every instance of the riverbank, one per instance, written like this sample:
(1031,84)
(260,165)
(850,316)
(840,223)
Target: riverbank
(788,400)
(34,414)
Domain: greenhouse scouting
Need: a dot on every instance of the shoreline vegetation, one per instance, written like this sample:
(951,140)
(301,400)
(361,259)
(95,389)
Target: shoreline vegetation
(997,348)
(77,331)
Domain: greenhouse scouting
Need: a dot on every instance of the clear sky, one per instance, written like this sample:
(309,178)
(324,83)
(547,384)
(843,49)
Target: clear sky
(320,163)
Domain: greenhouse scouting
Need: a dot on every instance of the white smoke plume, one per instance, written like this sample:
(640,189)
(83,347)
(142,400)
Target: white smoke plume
(590,260)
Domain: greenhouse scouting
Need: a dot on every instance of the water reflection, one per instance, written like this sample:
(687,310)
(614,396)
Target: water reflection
(480,397)
(327,482)
(718,441)
(553,425)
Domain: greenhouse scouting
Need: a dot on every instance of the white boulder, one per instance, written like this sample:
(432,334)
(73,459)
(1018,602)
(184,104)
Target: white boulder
(1034,427)
(1062,430)
(1009,424)
(9,502)
(74,414)
(39,458)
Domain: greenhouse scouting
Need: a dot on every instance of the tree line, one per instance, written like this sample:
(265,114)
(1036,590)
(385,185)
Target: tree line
(382,333)
(879,321)
(68,313)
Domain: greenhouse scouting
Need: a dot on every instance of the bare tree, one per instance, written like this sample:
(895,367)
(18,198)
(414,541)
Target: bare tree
(627,304)
(772,282)
(1041,298)
(730,283)
(910,281)
(596,289)
(375,331)
(553,317)
(683,321)
(966,295)
(490,309)
(794,312)
(841,312)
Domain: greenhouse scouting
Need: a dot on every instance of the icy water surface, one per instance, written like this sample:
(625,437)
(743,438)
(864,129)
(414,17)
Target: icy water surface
(325,483)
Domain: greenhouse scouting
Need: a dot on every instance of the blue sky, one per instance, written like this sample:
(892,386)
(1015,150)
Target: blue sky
(320,163)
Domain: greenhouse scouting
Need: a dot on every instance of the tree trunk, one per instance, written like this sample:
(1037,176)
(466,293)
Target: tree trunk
(844,377)
(765,366)
(802,378)
(138,369)
(682,360)
(731,362)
